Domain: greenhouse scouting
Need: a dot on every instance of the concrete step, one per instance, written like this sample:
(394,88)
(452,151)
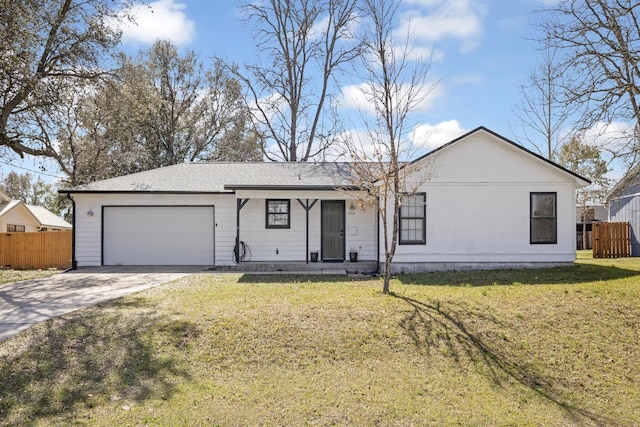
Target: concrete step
(293,267)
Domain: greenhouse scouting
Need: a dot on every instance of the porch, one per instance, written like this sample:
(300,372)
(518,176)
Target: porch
(323,268)
(283,230)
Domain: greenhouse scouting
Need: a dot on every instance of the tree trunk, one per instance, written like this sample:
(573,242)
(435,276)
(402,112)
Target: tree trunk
(386,275)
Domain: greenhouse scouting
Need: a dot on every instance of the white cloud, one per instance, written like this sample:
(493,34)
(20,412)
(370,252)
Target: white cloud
(615,137)
(427,137)
(354,97)
(432,21)
(423,139)
(612,136)
(358,141)
(162,19)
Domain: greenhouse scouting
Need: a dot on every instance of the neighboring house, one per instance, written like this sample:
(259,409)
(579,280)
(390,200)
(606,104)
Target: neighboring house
(624,205)
(584,220)
(486,203)
(17,216)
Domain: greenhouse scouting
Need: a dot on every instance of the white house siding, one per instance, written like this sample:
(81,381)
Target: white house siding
(18,216)
(277,244)
(89,233)
(360,232)
(477,209)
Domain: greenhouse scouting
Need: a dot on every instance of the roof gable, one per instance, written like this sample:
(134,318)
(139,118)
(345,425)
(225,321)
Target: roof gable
(35,215)
(493,166)
(19,207)
(226,177)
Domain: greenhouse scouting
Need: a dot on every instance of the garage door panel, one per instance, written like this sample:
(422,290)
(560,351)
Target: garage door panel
(159,235)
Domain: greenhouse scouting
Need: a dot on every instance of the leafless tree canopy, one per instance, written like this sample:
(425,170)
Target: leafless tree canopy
(306,43)
(396,84)
(599,42)
(543,113)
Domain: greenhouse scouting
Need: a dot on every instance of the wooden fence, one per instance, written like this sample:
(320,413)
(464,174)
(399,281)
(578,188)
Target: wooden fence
(35,250)
(611,239)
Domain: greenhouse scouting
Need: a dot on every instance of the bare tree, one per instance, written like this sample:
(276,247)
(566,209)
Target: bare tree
(47,46)
(542,112)
(600,44)
(396,85)
(305,43)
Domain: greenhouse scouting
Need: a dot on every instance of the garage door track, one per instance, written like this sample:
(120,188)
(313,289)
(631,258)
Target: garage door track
(23,304)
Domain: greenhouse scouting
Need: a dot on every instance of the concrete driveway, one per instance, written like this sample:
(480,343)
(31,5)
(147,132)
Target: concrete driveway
(23,304)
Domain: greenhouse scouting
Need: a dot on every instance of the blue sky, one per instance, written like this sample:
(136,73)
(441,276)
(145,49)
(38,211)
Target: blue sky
(483,50)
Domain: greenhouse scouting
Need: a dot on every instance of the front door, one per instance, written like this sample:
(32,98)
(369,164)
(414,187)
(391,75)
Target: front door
(333,230)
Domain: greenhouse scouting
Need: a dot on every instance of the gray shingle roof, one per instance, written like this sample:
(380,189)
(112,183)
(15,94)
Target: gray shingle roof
(225,177)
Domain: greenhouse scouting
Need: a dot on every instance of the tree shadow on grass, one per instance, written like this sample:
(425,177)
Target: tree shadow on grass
(580,273)
(431,326)
(88,358)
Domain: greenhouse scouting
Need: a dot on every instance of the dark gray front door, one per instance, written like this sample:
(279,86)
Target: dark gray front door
(333,230)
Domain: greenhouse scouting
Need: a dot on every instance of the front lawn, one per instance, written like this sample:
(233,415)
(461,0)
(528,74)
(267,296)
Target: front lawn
(9,276)
(515,347)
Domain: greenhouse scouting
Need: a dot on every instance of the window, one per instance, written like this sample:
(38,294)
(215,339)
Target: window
(11,228)
(544,224)
(278,214)
(413,219)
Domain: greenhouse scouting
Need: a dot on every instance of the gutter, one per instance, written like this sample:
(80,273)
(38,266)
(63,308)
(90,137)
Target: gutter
(293,187)
(74,263)
(72,191)
(626,196)
(378,235)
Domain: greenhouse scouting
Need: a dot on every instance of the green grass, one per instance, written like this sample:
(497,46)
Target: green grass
(10,276)
(512,347)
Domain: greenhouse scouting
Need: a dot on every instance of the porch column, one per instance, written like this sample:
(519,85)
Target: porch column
(239,205)
(307,207)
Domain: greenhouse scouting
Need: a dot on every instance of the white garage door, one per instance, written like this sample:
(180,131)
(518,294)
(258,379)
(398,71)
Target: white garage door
(158,235)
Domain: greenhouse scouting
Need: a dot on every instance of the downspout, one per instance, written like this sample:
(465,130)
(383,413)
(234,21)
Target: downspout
(237,247)
(378,235)
(74,262)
